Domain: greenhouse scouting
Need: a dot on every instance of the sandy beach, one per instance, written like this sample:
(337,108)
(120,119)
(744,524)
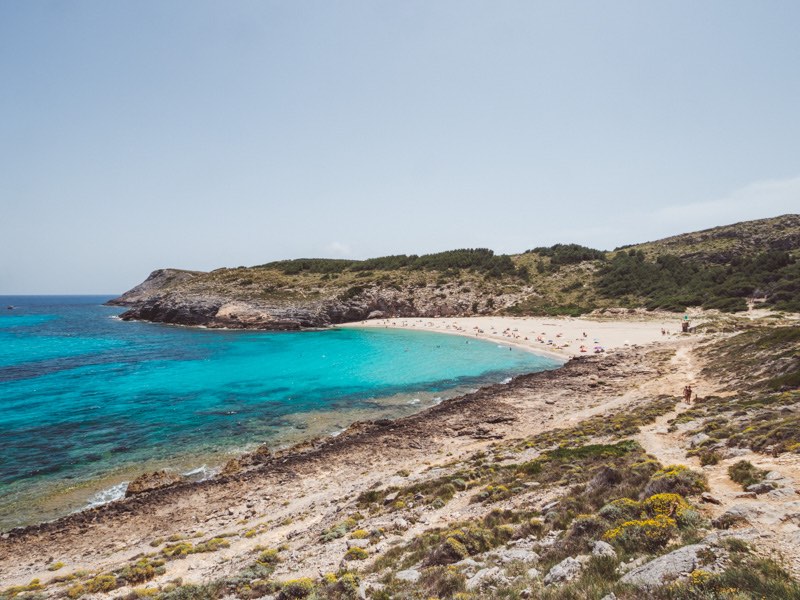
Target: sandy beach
(557,336)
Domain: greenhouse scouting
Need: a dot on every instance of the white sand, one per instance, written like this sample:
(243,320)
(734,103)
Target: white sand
(559,336)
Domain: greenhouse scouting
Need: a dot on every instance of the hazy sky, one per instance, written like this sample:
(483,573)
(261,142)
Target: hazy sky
(137,135)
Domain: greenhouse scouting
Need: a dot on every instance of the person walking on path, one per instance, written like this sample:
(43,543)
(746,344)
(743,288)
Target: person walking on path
(687,394)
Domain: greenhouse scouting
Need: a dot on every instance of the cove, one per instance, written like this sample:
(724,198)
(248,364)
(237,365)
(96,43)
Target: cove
(88,401)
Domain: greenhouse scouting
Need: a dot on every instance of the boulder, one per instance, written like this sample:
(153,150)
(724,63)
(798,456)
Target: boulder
(706,497)
(505,556)
(631,564)
(400,523)
(601,548)
(736,515)
(698,439)
(231,467)
(667,568)
(469,566)
(550,539)
(762,487)
(735,452)
(484,577)
(782,493)
(152,481)
(409,575)
(565,571)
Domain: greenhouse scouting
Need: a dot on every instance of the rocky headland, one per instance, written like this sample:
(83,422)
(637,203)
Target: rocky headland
(725,268)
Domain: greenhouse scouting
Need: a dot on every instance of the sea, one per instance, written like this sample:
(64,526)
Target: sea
(88,401)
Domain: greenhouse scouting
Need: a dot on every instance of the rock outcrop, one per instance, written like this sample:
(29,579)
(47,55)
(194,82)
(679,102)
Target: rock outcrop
(209,300)
(152,481)
(667,568)
(565,571)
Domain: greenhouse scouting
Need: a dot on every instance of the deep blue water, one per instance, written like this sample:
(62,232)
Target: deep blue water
(87,401)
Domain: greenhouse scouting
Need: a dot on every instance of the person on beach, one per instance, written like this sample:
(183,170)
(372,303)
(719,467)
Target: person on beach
(687,394)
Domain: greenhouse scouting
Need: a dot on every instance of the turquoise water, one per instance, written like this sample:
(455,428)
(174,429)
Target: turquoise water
(88,401)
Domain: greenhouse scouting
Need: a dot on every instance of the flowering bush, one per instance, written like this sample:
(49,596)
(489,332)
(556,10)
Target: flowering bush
(645,534)
(670,505)
(676,479)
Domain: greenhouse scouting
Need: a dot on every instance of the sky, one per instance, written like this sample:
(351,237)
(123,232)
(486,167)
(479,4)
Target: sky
(136,135)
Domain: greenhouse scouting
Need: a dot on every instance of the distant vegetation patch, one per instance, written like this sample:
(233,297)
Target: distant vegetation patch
(673,283)
(567,254)
(481,260)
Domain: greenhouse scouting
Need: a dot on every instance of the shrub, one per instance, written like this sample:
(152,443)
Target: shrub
(209,591)
(101,583)
(646,534)
(140,571)
(356,553)
(745,473)
(179,550)
(338,530)
(622,509)
(668,505)
(441,582)
(344,588)
(677,479)
(268,557)
(297,588)
(211,545)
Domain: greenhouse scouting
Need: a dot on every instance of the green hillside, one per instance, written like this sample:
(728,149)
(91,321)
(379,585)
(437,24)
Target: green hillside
(725,268)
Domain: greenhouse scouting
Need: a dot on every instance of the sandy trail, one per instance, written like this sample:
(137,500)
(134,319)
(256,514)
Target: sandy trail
(774,517)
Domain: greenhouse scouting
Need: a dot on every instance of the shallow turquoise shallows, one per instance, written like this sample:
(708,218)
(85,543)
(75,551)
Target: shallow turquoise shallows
(87,401)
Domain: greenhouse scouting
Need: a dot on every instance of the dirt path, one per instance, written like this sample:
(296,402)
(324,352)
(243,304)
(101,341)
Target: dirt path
(773,517)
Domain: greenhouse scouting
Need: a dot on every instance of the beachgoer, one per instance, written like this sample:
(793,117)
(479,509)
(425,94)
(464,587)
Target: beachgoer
(687,394)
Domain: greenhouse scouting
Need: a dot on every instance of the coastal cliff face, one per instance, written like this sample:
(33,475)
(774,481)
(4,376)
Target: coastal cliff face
(224,299)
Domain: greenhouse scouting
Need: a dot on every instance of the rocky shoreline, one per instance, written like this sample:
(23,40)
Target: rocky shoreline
(476,414)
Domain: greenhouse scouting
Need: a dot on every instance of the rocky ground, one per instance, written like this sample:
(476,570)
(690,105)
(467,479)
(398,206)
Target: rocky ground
(592,481)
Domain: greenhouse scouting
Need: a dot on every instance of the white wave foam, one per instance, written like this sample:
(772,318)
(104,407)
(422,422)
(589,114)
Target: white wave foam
(116,492)
(506,380)
(201,473)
